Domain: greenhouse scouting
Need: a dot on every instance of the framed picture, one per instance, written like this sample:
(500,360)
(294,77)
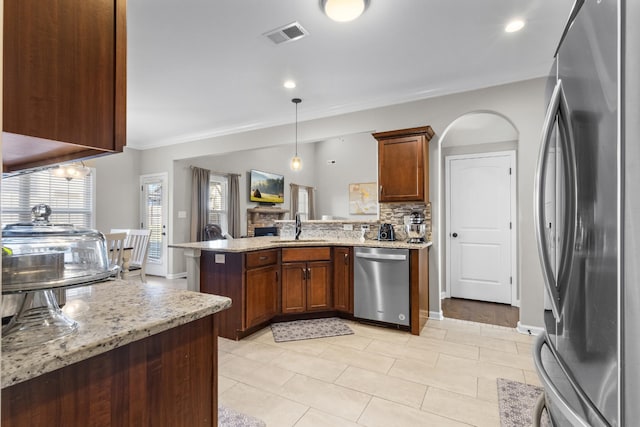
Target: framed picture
(363,198)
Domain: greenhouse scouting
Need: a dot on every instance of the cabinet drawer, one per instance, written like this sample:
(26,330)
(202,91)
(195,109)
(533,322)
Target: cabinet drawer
(260,258)
(306,254)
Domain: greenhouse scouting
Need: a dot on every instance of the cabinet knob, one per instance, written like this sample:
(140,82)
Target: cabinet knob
(346,259)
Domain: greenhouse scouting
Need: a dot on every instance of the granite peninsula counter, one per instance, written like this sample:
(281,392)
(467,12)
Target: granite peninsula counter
(262,275)
(130,336)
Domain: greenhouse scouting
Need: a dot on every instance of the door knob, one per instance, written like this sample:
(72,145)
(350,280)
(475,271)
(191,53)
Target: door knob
(454,235)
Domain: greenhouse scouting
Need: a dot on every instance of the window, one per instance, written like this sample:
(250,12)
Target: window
(218,201)
(71,201)
(303,203)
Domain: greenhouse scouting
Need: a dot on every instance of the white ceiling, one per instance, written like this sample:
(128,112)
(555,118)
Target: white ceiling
(201,68)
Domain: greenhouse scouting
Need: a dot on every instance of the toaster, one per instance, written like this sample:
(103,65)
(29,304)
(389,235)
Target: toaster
(385,232)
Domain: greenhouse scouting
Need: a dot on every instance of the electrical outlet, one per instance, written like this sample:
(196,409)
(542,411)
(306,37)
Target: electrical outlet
(347,227)
(364,227)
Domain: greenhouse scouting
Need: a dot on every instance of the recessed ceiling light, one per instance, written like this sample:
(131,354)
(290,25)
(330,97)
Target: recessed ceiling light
(515,25)
(290,84)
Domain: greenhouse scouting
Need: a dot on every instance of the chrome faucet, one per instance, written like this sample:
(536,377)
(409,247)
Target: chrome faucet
(298,226)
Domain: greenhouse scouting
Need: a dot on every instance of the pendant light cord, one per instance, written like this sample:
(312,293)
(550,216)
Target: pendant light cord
(296,129)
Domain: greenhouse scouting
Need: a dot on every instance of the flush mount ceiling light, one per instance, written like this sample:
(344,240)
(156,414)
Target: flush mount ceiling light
(515,25)
(296,162)
(71,171)
(290,84)
(343,10)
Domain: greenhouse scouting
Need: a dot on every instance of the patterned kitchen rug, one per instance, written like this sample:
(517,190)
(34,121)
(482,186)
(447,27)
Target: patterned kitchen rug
(516,402)
(309,329)
(228,417)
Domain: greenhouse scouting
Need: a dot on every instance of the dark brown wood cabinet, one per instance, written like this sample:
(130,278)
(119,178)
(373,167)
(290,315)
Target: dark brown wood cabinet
(343,279)
(251,280)
(64,81)
(262,293)
(306,279)
(167,379)
(403,164)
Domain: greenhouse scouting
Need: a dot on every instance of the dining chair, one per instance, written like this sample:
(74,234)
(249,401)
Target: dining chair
(115,245)
(137,242)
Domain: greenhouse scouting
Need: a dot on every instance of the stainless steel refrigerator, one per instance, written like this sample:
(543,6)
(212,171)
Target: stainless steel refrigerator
(587,215)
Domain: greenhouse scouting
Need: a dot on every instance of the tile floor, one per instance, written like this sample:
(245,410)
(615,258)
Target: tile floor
(376,377)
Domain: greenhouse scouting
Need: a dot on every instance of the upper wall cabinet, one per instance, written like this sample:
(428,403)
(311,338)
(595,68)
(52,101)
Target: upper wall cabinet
(403,164)
(64,81)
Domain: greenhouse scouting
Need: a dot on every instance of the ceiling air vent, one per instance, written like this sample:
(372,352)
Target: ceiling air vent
(288,33)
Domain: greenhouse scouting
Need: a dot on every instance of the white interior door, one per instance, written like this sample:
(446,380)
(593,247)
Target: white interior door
(154,216)
(480,230)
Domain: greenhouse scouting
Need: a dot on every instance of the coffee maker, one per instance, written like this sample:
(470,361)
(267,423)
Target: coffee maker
(416,227)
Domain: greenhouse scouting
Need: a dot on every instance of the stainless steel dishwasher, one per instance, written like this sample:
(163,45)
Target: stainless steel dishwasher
(381,285)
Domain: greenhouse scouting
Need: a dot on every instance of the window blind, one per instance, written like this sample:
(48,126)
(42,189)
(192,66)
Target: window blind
(71,201)
(218,201)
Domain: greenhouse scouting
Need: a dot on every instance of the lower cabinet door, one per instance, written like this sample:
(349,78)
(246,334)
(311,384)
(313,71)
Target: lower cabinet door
(262,294)
(294,292)
(342,280)
(318,285)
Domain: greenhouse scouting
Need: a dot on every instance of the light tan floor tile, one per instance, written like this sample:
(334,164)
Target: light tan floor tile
(403,352)
(379,333)
(384,386)
(486,342)
(461,408)
(531,377)
(524,348)
(351,341)
(478,368)
(224,357)
(272,409)
(257,374)
(446,347)
(513,360)
(256,350)
(382,413)
(331,398)
(454,324)
(228,345)
(412,370)
(506,334)
(263,334)
(313,366)
(488,390)
(357,358)
(225,384)
(315,418)
(311,347)
(435,333)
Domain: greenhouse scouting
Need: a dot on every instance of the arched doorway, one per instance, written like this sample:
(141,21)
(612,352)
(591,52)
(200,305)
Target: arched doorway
(474,136)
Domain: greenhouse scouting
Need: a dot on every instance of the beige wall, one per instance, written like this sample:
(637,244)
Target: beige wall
(523,103)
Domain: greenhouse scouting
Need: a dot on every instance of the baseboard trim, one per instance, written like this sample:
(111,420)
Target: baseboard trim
(443,295)
(436,315)
(177,276)
(529,330)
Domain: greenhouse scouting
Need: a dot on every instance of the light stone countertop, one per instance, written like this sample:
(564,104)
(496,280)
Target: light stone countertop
(109,315)
(273,242)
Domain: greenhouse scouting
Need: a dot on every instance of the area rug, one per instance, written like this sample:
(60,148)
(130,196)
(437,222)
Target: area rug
(309,329)
(516,401)
(228,417)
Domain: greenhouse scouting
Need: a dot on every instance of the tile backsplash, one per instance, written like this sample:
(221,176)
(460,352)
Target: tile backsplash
(391,213)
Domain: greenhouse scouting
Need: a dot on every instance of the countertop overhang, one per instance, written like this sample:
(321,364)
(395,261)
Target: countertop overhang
(274,242)
(109,315)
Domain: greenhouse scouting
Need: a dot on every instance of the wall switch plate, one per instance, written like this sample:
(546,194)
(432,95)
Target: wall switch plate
(182,214)
(347,227)
(364,227)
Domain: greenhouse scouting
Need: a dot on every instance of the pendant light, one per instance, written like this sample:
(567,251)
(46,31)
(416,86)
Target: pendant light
(296,162)
(71,171)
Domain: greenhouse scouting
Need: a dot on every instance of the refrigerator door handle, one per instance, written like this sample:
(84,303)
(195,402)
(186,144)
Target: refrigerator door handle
(555,396)
(538,202)
(550,389)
